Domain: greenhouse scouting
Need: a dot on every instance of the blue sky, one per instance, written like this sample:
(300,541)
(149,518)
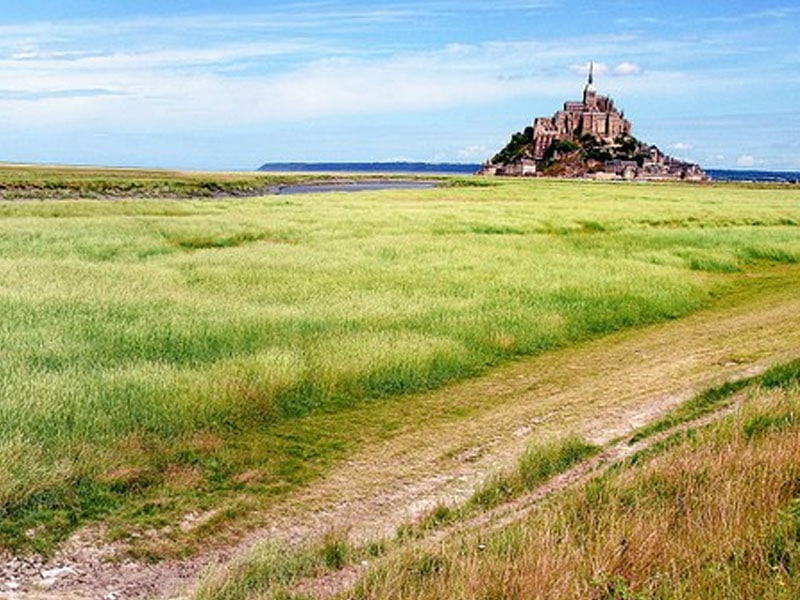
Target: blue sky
(204,84)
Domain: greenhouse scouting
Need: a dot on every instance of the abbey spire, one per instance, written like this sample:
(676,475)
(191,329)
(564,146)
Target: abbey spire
(589,93)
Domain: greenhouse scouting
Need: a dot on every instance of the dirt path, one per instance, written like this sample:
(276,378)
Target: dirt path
(331,584)
(600,389)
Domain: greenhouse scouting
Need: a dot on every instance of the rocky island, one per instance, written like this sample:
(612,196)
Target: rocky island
(589,138)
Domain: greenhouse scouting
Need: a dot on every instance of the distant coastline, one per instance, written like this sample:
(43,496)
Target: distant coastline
(412,168)
(755,176)
(409,168)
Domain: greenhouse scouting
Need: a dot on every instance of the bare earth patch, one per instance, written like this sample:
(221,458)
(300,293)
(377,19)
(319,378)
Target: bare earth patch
(600,390)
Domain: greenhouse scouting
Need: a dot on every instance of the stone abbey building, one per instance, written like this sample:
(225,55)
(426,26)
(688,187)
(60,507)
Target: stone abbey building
(589,138)
(596,115)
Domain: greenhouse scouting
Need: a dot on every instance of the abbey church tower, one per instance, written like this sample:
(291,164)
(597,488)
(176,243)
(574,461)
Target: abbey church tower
(595,115)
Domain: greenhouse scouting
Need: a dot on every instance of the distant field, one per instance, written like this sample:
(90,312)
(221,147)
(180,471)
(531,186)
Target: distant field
(20,182)
(155,355)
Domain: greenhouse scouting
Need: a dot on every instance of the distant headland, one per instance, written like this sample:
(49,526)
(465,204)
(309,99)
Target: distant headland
(589,138)
(401,167)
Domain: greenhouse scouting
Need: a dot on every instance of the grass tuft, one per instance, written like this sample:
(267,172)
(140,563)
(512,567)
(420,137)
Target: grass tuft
(542,461)
(334,550)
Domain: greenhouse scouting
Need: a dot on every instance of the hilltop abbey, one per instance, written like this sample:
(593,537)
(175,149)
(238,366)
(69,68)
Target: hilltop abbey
(595,115)
(588,138)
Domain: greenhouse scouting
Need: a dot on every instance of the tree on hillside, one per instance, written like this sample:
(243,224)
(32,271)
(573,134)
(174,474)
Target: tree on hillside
(517,147)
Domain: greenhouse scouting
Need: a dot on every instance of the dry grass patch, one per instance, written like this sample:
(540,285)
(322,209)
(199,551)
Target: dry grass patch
(715,515)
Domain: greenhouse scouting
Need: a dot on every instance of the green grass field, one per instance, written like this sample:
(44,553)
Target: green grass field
(162,356)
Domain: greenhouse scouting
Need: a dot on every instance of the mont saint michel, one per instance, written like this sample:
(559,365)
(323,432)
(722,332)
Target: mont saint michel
(588,138)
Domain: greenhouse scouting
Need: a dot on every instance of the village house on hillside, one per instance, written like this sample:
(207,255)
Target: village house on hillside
(588,138)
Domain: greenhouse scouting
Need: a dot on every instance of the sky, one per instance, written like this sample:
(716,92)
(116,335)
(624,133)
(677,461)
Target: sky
(213,85)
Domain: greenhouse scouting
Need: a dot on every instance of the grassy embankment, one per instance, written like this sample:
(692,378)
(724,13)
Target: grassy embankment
(708,512)
(161,357)
(19,182)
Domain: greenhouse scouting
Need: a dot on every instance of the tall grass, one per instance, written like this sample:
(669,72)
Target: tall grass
(716,516)
(276,568)
(541,460)
(140,339)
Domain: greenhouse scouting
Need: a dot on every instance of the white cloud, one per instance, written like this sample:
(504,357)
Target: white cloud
(681,146)
(247,83)
(772,13)
(746,160)
(142,60)
(625,69)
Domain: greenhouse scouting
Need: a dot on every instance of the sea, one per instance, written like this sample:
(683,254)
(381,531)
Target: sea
(425,168)
(756,176)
